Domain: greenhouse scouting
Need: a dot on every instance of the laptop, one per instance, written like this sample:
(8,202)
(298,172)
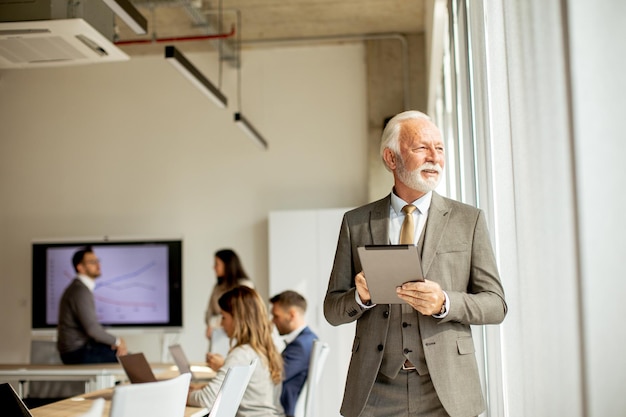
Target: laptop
(204,373)
(12,404)
(137,368)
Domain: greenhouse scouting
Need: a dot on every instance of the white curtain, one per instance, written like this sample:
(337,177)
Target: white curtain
(538,98)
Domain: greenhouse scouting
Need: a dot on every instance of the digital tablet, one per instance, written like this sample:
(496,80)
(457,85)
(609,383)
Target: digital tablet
(388,266)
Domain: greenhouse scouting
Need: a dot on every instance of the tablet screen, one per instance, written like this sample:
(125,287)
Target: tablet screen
(388,266)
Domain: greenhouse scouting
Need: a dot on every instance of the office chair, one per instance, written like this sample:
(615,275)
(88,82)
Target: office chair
(96,409)
(166,398)
(44,352)
(232,390)
(306,399)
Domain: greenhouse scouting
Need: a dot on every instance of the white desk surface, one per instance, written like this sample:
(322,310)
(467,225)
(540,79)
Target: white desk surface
(86,369)
(75,406)
(31,372)
(97,376)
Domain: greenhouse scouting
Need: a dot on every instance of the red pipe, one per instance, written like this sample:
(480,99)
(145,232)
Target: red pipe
(180,39)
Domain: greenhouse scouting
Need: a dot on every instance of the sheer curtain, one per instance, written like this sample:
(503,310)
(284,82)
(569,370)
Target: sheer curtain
(505,105)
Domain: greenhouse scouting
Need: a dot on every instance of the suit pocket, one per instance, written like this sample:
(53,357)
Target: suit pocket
(465,346)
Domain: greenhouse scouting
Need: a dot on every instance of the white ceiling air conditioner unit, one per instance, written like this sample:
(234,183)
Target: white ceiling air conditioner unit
(54,43)
(52,33)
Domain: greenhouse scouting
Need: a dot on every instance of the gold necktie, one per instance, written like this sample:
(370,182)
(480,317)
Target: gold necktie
(407,232)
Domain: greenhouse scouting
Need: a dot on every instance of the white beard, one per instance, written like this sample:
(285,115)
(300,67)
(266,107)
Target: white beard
(414,180)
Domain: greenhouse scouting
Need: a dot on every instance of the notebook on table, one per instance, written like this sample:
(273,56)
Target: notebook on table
(183,365)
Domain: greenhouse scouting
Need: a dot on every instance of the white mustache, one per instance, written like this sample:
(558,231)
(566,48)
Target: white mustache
(431,167)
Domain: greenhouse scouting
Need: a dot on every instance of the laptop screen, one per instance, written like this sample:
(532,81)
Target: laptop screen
(137,368)
(180,359)
(12,405)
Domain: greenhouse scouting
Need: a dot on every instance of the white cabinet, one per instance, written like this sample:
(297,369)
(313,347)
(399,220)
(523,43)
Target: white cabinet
(302,248)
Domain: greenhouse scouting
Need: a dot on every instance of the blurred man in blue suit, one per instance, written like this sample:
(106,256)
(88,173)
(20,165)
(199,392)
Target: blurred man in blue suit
(288,310)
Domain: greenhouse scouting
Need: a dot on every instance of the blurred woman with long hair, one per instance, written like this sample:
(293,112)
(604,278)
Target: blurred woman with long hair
(245,320)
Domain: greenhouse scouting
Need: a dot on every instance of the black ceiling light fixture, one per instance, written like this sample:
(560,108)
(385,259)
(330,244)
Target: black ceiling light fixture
(194,75)
(125,10)
(249,130)
(239,119)
(186,68)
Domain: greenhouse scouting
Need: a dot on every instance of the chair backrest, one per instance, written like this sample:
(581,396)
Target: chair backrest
(306,400)
(96,409)
(232,390)
(166,398)
(44,352)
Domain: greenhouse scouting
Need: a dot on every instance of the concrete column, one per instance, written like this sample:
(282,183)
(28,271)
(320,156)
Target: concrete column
(396,81)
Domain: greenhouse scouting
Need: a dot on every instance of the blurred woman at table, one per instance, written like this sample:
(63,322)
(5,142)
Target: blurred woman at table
(229,274)
(245,320)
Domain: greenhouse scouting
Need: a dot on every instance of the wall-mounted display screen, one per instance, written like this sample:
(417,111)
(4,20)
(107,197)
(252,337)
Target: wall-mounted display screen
(140,283)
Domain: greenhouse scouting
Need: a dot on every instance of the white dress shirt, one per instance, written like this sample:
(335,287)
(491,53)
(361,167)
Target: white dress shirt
(396,218)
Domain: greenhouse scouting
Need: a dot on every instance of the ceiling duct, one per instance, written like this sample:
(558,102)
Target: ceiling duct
(45,33)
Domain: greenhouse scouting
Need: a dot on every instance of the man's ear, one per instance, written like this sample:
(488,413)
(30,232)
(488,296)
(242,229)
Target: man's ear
(389,157)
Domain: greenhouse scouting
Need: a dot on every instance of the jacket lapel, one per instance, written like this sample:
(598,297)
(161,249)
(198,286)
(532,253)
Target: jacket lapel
(379,221)
(438,216)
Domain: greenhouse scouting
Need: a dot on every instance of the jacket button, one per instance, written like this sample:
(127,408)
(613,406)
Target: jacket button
(405,324)
(407,351)
(386,314)
(380,348)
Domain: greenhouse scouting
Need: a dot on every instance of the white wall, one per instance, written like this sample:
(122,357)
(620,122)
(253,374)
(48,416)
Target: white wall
(132,149)
(302,251)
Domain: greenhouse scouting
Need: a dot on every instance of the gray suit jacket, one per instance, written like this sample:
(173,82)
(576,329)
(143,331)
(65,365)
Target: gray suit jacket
(457,254)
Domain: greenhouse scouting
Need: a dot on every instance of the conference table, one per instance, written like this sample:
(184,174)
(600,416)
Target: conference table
(75,406)
(95,377)
(100,380)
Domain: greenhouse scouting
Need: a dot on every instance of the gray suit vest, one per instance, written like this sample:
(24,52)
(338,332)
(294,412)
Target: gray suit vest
(404,340)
